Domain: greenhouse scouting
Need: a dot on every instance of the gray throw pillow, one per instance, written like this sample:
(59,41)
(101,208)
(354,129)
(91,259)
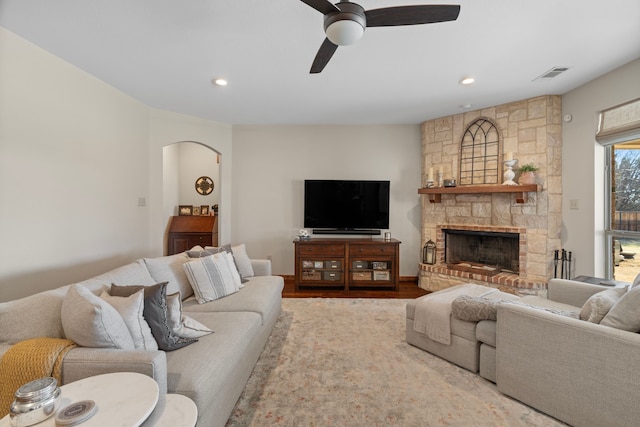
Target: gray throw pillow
(625,314)
(155,313)
(475,309)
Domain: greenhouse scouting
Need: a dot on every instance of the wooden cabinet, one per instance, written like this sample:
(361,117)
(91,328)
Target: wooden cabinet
(186,232)
(345,264)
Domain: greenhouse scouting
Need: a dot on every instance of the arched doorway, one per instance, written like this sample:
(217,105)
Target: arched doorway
(186,166)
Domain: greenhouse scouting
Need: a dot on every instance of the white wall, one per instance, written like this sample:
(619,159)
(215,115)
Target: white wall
(583,164)
(75,157)
(73,162)
(270,164)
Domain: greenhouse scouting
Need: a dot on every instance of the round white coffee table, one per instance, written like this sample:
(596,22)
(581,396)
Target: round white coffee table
(122,398)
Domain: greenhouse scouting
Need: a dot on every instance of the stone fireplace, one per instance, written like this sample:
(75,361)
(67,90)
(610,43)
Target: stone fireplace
(490,237)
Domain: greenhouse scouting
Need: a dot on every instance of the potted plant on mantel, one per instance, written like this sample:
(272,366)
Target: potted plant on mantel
(527,174)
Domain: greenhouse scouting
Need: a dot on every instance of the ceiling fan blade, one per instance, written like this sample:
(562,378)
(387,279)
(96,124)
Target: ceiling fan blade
(322,6)
(326,51)
(411,15)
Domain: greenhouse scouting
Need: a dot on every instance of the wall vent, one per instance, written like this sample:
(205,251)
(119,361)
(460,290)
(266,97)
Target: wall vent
(554,72)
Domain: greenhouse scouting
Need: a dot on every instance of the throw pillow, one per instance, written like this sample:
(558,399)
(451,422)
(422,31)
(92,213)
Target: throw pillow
(131,309)
(475,309)
(199,251)
(625,314)
(89,321)
(599,304)
(210,277)
(636,281)
(242,261)
(155,313)
(212,250)
(181,325)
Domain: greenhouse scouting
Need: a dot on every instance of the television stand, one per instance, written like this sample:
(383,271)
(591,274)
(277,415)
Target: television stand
(351,231)
(347,263)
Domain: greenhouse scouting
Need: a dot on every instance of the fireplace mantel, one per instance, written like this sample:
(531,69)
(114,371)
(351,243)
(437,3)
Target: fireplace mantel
(520,191)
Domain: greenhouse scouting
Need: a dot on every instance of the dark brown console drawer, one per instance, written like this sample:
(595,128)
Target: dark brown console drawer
(321,250)
(355,250)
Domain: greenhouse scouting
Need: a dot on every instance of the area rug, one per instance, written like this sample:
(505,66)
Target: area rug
(345,362)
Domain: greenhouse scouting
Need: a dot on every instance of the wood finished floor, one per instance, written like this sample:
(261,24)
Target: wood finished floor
(407,289)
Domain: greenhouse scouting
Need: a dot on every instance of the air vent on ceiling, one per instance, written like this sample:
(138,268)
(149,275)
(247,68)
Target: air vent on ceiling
(554,72)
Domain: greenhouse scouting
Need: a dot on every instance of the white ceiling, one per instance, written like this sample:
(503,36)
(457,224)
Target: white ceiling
(166,53)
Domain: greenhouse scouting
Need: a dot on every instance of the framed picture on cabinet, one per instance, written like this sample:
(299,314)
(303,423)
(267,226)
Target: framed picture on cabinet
(196,210)
(204,210)
(185,210)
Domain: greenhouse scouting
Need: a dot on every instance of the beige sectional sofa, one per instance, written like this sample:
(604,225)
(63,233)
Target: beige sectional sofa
(212,372)
(582,373)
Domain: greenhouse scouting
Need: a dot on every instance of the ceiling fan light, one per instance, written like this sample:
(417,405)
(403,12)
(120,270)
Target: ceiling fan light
(344,32)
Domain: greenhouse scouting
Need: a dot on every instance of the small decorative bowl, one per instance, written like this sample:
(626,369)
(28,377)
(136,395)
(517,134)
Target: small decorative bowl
(35,402)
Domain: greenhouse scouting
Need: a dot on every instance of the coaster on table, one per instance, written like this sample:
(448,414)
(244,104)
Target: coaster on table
(76,413)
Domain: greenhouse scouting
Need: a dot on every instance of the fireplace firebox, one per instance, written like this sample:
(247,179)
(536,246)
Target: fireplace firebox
(482,252)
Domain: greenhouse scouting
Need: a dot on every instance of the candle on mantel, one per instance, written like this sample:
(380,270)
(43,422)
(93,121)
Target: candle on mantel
(440,171)
(430,177)
(508,156)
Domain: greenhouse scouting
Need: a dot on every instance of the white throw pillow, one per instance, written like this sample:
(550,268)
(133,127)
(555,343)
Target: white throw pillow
(131,309)
(242,261)
(210,278)
(625,314)
(237,280)
(181,325)
(90,321)
(636,281)
(599,304)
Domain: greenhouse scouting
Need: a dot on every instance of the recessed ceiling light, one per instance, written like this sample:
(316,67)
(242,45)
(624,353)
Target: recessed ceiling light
(220,82)
(466,106)
(467,81)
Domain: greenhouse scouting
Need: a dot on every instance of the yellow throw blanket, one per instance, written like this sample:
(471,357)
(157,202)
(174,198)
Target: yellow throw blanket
(29,360)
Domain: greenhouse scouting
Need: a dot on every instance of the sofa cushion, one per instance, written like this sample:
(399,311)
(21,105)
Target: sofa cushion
(181,325)
(625,314)
(32,317)
(486,332)
(131,309)
(134,273)
(90,321)
(541,302)
(211,277)
(155,313)
(168,269)
(219,364)
(598,305)
(260,295)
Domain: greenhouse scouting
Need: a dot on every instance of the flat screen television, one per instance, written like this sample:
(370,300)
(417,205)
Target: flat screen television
(346,207)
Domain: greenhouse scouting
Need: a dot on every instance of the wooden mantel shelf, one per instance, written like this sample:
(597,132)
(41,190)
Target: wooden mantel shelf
(520,191)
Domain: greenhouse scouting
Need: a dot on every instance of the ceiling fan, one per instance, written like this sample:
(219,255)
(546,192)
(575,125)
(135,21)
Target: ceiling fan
(344,22)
